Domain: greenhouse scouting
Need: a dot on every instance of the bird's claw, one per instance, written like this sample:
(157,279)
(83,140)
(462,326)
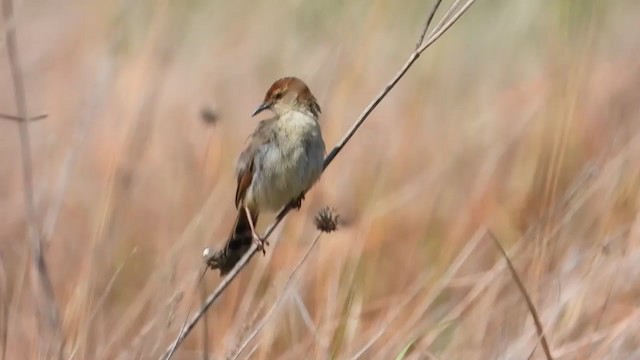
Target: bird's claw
(261,243)
(297,202)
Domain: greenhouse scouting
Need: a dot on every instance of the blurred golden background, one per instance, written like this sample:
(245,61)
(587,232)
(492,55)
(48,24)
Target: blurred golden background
(524,119)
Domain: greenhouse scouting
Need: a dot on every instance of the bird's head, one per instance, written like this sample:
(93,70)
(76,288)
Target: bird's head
(289,94)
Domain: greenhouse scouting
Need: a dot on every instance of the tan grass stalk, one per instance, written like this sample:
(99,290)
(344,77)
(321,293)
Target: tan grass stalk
(525,294)
(41,282)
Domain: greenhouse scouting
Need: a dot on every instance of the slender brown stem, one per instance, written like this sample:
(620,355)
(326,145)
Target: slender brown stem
(205,324)
(172,349)
(18,118)
(41,281)
(281,298)
(525,294)
(426,25)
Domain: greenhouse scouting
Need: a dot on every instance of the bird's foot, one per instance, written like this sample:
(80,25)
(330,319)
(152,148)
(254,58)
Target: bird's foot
(297,202)
(261,243)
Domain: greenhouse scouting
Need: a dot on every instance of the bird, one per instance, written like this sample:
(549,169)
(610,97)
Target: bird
(282,160)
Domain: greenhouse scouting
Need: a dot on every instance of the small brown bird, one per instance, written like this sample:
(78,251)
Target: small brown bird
(282,161)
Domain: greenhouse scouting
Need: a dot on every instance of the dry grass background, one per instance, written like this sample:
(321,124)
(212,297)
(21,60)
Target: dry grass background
(524,119)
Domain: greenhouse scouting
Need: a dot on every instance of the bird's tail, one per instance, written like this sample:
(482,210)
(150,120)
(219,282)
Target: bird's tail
(239,241)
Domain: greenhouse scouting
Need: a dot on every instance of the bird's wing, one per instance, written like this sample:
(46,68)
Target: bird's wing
(263,135)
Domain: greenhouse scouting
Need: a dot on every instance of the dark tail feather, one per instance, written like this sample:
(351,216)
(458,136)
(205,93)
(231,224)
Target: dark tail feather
(239,242)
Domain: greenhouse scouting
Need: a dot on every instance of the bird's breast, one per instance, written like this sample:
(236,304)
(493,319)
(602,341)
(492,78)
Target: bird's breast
(292,163)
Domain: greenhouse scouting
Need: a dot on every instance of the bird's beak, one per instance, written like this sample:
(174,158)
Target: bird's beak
(264,106)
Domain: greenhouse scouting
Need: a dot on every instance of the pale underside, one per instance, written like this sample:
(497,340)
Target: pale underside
(285,157)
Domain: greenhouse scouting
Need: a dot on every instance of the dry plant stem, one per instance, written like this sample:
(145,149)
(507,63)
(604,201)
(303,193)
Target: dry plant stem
(209,301)
(363,116)
(43,288)
(525,294)
(18,118)
(17,290)
(249,309)
(174,347)
(426,25)
(5,302)
(278,302)
(610,333)
(579,193)
(367,111)
(205,324)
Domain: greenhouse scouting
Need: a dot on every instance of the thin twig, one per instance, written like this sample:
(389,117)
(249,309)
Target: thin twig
(426,25)
(363,116)
(205,325)
(278,302)
(525,294)
(174,347)
(4,311)
(367,111)
(48,307)
(188,327)
(20,118)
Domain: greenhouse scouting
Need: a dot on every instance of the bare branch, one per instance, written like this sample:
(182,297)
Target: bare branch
(426,25)
(278,302)
(41,281)
(525,294)
(172,349)
(4,311)
(19,118)
(367,111)
(186,329)
(363,116)
(205,324)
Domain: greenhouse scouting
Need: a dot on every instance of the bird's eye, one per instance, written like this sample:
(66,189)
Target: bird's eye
(279,95)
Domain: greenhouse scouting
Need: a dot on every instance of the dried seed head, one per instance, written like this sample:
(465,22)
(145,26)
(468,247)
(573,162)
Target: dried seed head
(327,220)
(212,259)
(207,254)
(209,116)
